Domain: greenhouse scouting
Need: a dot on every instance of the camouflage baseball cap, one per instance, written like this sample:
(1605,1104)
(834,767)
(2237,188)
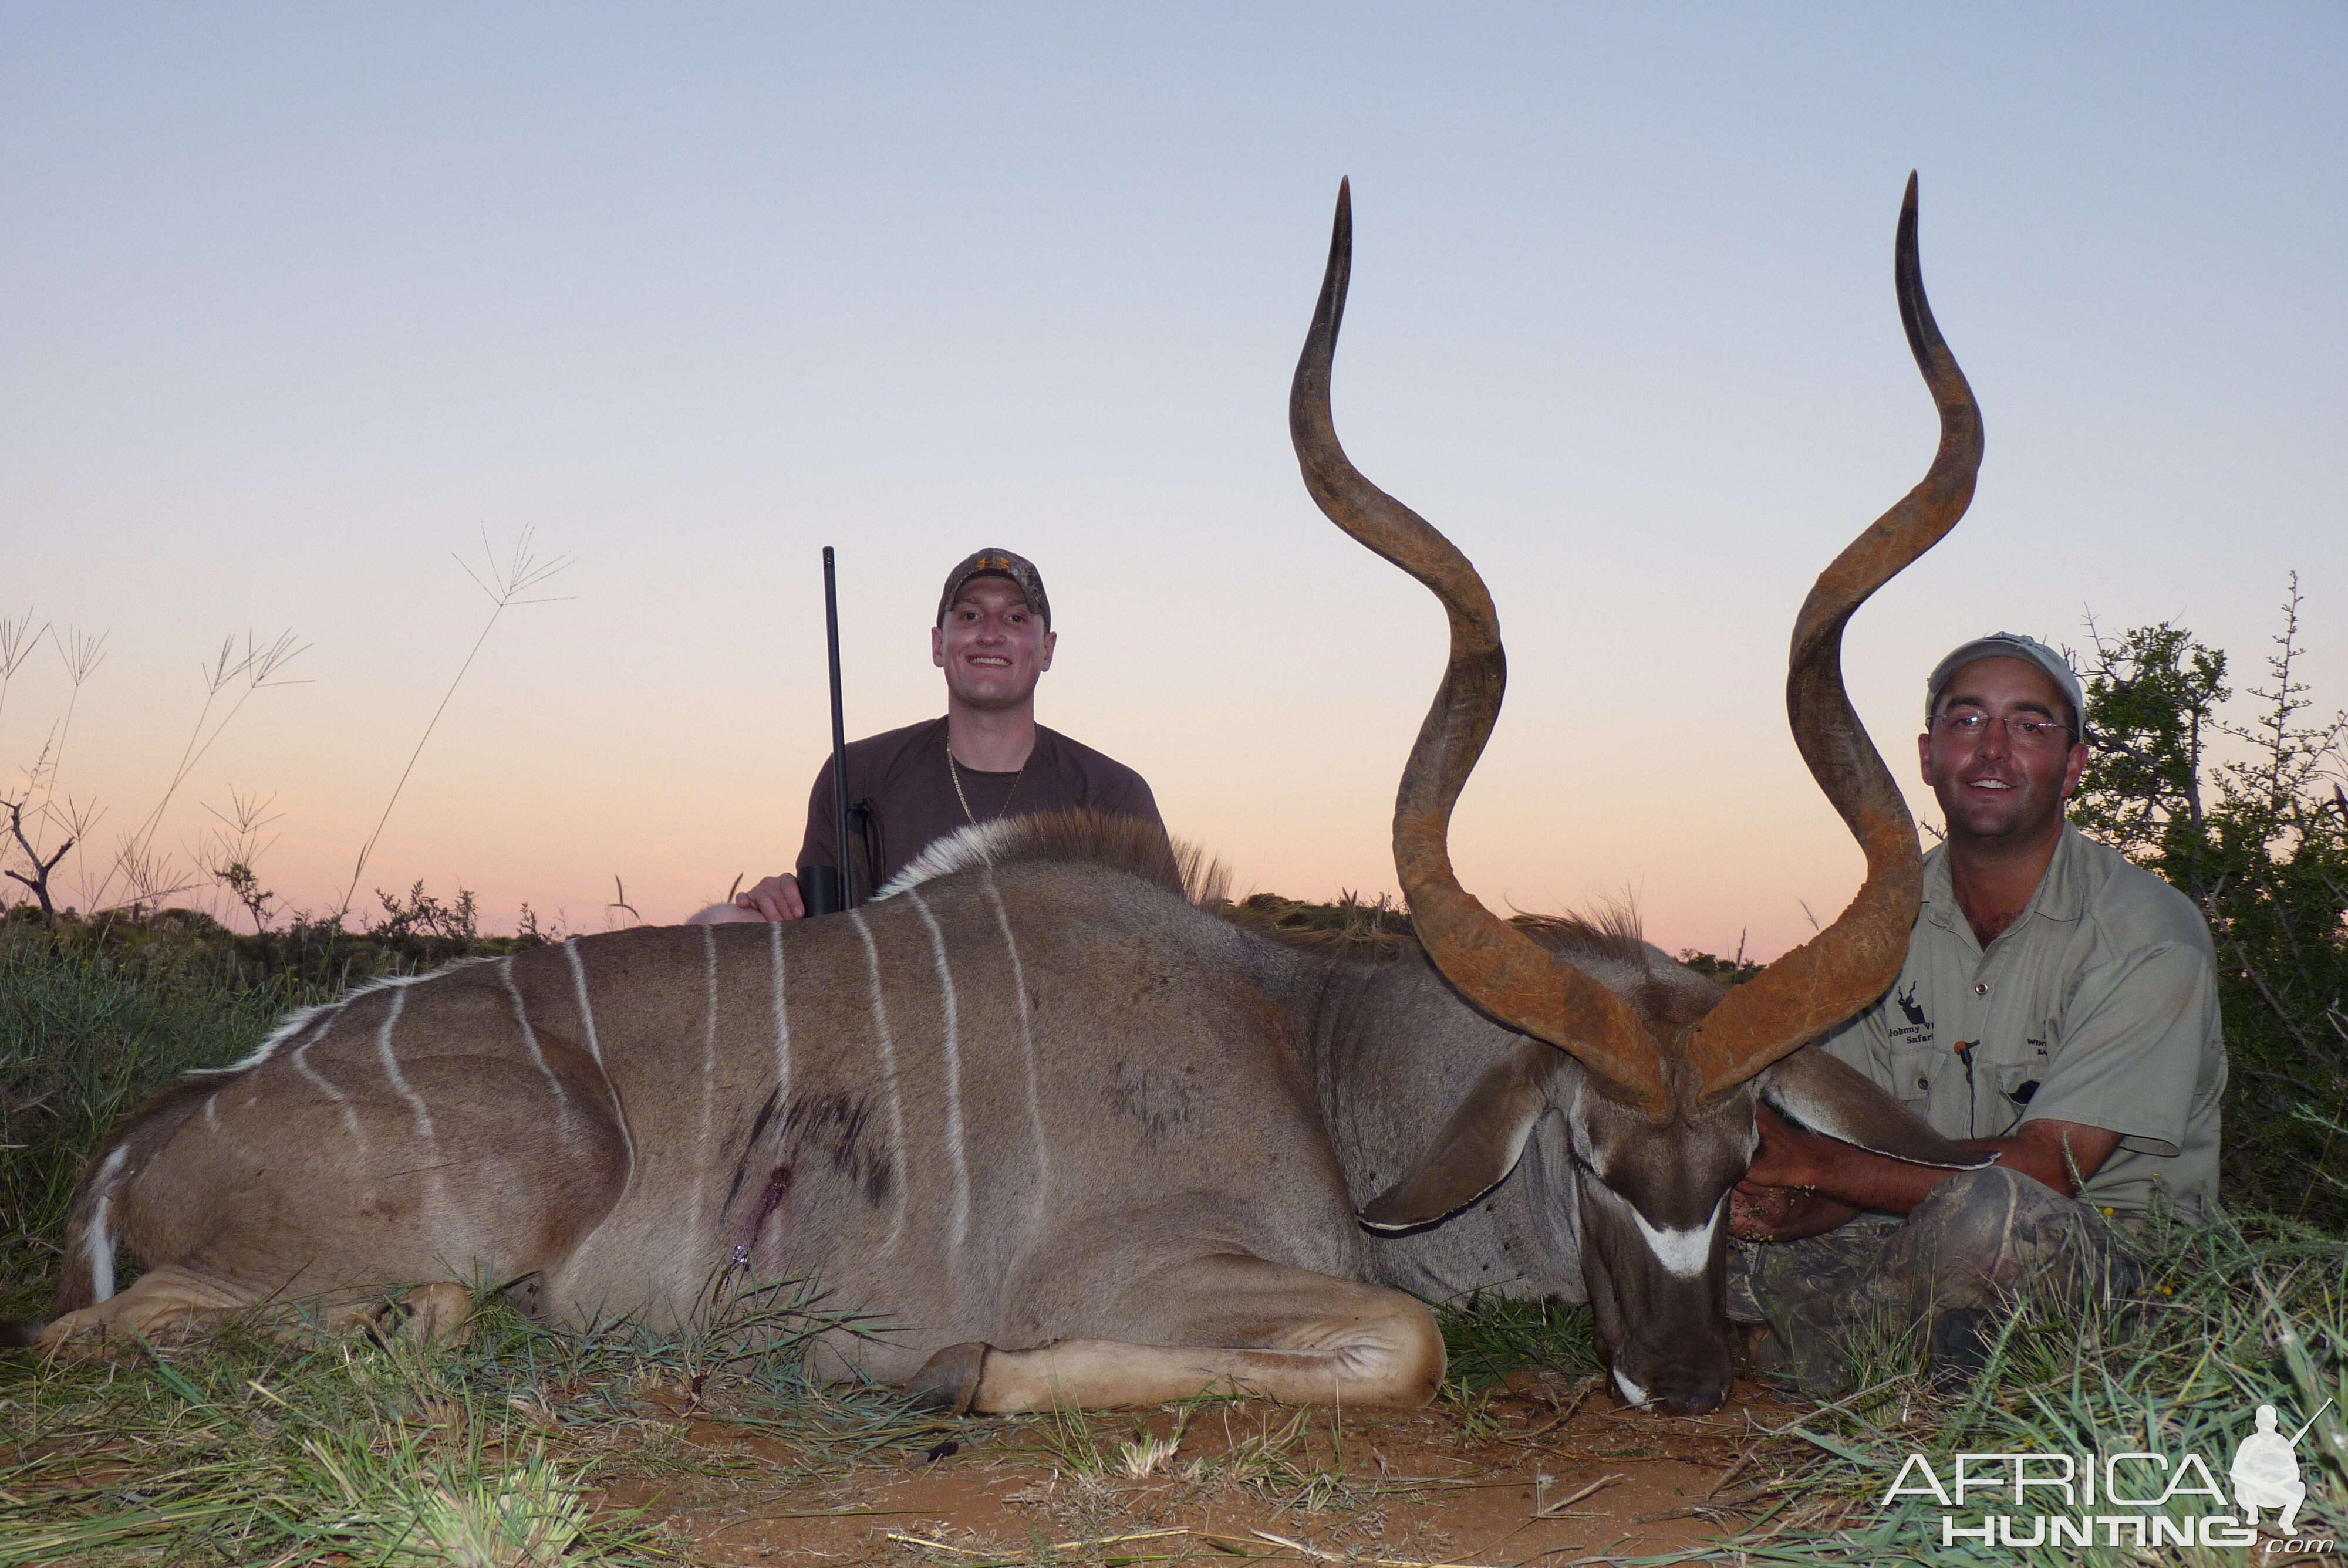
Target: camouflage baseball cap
(998,563)
(2009,645)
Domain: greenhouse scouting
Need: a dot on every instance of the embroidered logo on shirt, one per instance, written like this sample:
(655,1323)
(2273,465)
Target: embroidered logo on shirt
(1918,1029)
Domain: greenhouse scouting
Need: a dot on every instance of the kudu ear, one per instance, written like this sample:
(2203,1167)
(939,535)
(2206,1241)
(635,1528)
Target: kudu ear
(1828,1095)
(1479,1145)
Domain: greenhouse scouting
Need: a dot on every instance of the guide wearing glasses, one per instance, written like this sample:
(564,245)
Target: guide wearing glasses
(2059,1006)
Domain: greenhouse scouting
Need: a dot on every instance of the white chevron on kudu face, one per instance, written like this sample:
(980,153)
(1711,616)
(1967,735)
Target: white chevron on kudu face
(1684,1252)
(888,1050)
(953,1069)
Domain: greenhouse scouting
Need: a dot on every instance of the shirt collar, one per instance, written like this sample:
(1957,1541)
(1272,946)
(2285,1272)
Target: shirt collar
(2061,892)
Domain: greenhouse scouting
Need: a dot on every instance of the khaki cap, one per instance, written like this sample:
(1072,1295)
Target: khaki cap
(2010,645)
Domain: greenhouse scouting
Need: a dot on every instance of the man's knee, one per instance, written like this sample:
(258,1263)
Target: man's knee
(1996,1230)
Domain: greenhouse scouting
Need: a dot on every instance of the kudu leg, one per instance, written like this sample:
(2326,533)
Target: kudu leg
(165,1304)
(172,1303)
(1240,1324)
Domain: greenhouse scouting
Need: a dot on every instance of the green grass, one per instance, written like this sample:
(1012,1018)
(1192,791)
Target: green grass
(2244,1310)
(1489,1337)
(267,1443)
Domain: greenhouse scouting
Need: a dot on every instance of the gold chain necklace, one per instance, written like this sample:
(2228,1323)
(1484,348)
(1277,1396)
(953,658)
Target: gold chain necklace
(955,773)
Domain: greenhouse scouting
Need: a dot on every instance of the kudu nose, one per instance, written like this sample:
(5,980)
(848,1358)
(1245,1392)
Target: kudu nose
(1686,1382)
(1693,1395)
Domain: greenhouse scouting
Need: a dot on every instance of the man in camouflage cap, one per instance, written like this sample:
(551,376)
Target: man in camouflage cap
(986,759)
(2058,1006)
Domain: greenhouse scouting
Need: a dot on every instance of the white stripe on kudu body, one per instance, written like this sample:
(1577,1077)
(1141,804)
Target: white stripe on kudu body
(97,1244)
(399,1079)
(888,1073)
(708,1074)
(782,1018)
(414,1101)
(301,1065)
(1026,1043)
(595,1050)
(530,1038)
(953,1070)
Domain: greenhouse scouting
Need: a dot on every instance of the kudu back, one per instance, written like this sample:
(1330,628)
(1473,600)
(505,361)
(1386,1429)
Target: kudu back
(1053,1133)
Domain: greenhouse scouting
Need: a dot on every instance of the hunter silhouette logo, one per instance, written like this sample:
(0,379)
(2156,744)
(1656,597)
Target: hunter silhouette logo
(2265,1471)
(1907,1000)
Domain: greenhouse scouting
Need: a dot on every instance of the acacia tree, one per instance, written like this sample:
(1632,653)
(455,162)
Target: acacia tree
(2259,842)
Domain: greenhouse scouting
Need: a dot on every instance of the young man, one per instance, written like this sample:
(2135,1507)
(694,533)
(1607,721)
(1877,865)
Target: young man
(986,759)
(2058,1007)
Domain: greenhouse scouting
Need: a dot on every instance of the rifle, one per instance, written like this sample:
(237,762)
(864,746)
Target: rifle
(829,889)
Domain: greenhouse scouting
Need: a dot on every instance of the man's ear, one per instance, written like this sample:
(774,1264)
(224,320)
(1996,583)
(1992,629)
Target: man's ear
(1051,641)
(2075,769)
(1828,1095)
(937,646)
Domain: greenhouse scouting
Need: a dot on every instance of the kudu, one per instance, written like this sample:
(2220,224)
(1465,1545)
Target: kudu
(1060,1135)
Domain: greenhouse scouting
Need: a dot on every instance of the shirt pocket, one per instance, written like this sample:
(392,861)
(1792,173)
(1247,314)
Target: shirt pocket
(1914,1069)
(2019,1082)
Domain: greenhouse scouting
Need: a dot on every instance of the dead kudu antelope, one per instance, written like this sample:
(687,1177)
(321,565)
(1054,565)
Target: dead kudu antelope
(1066,1137)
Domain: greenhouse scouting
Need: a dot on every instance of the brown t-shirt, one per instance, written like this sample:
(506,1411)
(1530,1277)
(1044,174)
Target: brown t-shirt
(903,773)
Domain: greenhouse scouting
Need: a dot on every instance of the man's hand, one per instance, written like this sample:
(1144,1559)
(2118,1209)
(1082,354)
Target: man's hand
(1775,1201)
(1801,1183)
(775,898)
(1791,1157)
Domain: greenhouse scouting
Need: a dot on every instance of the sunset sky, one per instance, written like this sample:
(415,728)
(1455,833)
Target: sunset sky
(297,301)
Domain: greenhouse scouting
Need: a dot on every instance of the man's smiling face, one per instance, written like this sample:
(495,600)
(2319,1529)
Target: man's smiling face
(992,647)
(1997,785)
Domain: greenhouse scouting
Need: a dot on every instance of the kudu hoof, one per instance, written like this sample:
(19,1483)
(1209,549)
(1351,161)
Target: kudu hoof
(948,1381)
(431,1315)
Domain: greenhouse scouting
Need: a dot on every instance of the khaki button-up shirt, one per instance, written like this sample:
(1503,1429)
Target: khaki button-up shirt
(2098,1006)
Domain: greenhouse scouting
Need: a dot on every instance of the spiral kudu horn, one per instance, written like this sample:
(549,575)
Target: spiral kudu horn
(1851,963)
(1494,965)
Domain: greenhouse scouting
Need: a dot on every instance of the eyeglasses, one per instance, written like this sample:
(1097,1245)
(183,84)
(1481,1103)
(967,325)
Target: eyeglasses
(2030,734)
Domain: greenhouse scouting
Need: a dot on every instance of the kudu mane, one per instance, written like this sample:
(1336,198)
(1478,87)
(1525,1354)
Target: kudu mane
(1129,843)
(1614,933)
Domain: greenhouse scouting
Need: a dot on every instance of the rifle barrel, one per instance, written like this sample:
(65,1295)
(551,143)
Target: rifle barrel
(839,728)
